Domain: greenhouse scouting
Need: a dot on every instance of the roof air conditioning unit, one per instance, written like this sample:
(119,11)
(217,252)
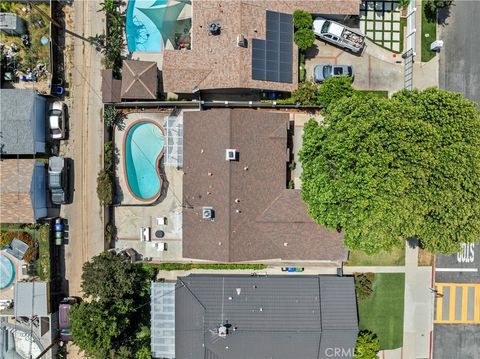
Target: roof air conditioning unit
(231,155)
(207,213)
(241,41)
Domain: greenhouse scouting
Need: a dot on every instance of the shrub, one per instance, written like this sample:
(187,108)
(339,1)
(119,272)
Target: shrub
(189,266)
(105,187)
(304,38)
(108,156)
(367,345)
(291,184)
(306,94)
(32,252)
(109,115)
(434,5)
(364,285)
(109,232)
(302,19)
(334,89)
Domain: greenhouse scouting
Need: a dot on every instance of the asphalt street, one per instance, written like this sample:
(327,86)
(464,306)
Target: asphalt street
(459,71)
(459,58)
(463,267)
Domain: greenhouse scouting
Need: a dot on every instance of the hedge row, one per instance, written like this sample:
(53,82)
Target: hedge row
(189,266)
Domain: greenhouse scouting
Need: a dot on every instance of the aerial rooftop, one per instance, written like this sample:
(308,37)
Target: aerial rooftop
(255,216)
(217,62)
(241,317)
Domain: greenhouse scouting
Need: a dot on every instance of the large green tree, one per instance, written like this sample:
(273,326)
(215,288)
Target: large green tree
(115,321)
(98,329)
(384,170)
(108,277)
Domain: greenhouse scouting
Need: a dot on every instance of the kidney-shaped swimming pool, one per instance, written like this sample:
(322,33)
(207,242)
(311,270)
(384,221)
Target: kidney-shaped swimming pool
(143,149)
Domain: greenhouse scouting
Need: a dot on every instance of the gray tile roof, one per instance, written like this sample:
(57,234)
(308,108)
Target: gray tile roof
(20,109)
(270,316)
(31,298)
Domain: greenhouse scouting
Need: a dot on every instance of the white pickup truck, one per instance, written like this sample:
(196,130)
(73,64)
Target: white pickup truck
(339,35)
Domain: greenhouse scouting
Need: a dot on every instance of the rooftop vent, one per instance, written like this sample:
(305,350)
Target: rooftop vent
(241,41)
(231,154)
(214,28)
(208,213)
(222,331)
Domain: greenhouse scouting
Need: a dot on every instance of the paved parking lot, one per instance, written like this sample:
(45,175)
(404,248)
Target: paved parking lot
(377,69)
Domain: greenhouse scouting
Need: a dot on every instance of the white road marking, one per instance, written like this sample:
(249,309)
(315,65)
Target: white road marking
(456,269)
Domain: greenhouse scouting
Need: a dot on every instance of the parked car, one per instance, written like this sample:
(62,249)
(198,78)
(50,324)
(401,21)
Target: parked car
(56,119)
(58,179)
(292,269)
(64,325)
(324,72)
(339,35)
(58,230)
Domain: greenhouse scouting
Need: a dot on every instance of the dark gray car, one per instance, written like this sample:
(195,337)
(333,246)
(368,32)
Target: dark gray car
(324,72)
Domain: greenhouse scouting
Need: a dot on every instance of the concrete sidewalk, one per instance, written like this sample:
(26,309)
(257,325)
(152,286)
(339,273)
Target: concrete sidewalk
(418,307)
(320,270)
(374,269)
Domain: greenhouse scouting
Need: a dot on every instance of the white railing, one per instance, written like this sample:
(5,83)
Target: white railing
(411,30)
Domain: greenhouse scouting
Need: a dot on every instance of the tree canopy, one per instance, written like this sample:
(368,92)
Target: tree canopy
(108,277)
(384,170)
(115,322)
(304,38)
(302,19)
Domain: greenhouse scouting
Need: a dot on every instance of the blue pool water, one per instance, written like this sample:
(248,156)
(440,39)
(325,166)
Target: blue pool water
(7,271)
(143,146)
(143,33)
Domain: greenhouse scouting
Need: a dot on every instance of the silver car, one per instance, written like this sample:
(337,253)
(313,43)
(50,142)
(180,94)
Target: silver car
(324,72)
(56,119)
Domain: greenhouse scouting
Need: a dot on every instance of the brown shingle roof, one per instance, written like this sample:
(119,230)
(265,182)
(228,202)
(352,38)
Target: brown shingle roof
(216,62)
(255,215)
(15,181)
(111,87)
(139,80)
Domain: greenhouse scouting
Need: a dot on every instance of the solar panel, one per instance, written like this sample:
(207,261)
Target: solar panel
(272,57)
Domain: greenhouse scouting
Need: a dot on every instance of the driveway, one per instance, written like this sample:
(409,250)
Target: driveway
(459,62)
(377,69)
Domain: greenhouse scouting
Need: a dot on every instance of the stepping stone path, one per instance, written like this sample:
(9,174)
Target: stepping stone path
(380,22)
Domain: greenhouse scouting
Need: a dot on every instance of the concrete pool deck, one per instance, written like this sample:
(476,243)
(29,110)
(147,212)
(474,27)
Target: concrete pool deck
(131,215)
(7,293)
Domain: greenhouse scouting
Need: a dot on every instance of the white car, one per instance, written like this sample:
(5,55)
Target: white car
(56,119)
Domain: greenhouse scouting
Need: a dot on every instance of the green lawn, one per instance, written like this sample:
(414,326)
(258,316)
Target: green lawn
(428,27)
(395,257)
(383,312)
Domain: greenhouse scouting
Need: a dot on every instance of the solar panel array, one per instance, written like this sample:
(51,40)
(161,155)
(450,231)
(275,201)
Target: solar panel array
(272,57)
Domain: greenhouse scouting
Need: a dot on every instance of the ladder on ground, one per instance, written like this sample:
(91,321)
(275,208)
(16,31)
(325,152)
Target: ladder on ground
(408,71)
